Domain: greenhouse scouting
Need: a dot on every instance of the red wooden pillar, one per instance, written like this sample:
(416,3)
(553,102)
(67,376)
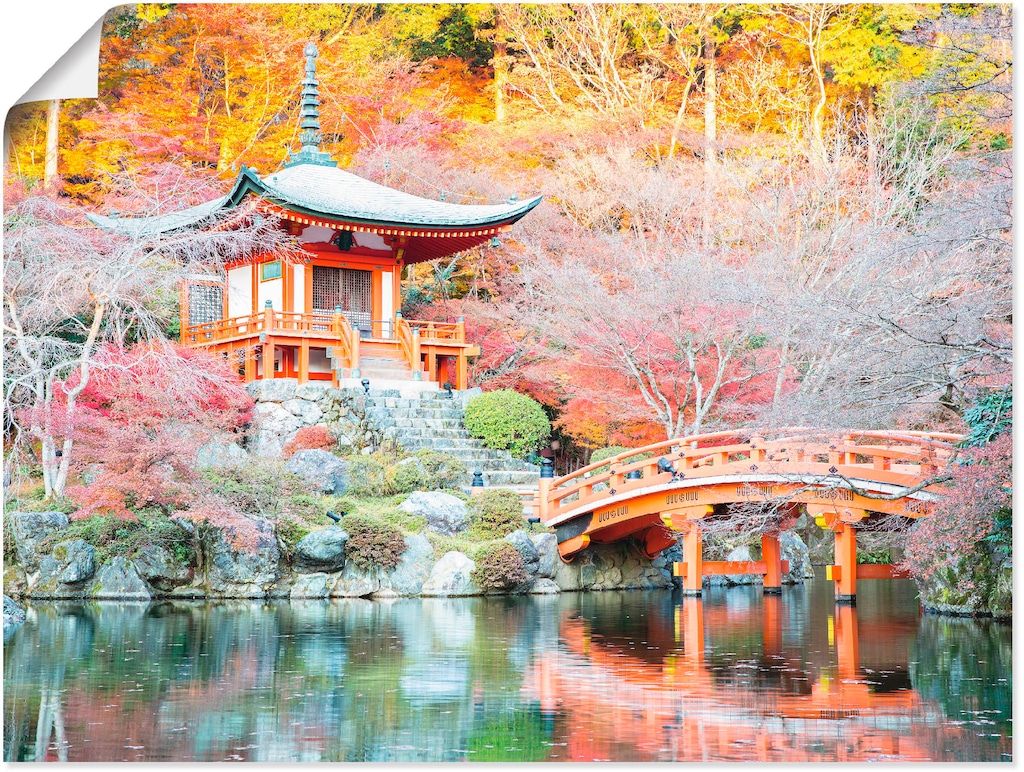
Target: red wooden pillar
(844,571)
(304,361)
(772,557)
(693,559)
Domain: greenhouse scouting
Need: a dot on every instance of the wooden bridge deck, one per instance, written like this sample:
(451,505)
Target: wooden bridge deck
(653,493)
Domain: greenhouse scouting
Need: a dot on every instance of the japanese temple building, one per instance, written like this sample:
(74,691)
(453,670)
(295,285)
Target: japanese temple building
(336,315)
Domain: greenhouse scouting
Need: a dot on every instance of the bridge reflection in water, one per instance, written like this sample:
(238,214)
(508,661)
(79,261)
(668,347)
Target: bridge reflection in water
(729,678)
(626,676)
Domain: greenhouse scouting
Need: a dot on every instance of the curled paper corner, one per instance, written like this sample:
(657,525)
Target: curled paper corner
(75,75)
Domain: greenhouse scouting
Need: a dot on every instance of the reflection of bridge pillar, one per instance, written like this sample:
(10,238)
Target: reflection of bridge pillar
(693,627)
(772,631)
(693,559)
(844,572)
(847,642)
(772,557)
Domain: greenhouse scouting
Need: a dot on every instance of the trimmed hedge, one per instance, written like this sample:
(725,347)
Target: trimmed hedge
(496,512)
(507,420)
(499,568)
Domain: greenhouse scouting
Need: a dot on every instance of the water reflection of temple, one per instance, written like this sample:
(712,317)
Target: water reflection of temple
(717,681)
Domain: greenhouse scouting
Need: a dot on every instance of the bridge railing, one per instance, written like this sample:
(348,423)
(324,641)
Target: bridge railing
(906,458)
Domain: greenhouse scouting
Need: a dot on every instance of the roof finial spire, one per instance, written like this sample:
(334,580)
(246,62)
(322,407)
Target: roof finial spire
(310,117)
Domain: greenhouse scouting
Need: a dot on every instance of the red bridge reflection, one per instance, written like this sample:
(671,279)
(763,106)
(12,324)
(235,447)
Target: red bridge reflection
(679,691)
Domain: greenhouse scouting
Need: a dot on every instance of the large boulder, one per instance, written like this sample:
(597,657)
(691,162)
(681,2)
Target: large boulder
(220,454)
(243,572)
(793,549)
(274,427)
(64,572)
(527,551)
(544,587)
(159,568)
(408,576)
(450,576)
(322,550)
(356,582)
(322,471)
(273,390)
(28,529)
(118,579)
(14,614)
(547,551)
(311,586)
(309,412)
(446,514)
(15,580)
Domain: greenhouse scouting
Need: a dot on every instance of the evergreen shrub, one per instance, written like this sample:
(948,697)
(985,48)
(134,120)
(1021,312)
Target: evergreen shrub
(442,470)
(373,543)
(507,420)
(496,512)
(499,568)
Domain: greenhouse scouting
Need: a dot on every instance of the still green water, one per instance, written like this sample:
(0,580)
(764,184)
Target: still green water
(621,676)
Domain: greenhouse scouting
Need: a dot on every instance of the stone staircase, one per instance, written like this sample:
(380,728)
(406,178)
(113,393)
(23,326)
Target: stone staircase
(433,420)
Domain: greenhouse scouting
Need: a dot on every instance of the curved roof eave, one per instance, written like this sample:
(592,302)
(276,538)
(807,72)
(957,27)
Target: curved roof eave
(249,183)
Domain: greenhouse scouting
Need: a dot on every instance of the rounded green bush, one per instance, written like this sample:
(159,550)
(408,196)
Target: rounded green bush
(443,470)
(507,420)
(367,475)
(496,513)
(373,543)
(499,568)
(407,476)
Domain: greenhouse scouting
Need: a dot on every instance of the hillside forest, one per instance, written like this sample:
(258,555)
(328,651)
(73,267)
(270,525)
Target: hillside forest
(786,214)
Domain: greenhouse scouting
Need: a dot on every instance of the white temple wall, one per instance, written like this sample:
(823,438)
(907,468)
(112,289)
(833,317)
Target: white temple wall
(387,298)
(299,283)
(240,291)
(318,361)
(273,291)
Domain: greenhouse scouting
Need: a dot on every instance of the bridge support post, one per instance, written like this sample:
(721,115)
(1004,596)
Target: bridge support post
(772,557)
(693,559)
(844,572)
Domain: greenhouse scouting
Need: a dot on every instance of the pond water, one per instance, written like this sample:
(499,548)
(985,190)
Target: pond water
(621,676)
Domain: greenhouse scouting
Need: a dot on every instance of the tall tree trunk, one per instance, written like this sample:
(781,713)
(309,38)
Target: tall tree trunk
(871,133)
(52,136)
(710,131)
(500,71)
(679,118)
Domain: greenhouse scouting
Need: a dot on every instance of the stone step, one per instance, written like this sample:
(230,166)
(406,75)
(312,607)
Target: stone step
(448,443)
(415,413)
(416,434)
(465,455)
(428,423)
(430,401)
(508,479)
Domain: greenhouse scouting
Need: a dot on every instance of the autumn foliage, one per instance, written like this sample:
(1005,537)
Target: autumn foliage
(140,422)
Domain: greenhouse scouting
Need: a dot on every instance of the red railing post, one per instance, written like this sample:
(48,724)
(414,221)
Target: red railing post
(268,340)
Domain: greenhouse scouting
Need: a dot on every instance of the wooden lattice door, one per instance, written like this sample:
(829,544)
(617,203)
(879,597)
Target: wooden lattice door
(344,287)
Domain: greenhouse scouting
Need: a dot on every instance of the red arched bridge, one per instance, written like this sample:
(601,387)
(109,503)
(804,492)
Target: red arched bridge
(689,485)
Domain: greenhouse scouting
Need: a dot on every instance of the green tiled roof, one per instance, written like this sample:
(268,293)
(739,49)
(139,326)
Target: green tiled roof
(334,194)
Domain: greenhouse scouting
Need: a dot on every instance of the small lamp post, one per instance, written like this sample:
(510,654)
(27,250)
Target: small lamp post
(366,385)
